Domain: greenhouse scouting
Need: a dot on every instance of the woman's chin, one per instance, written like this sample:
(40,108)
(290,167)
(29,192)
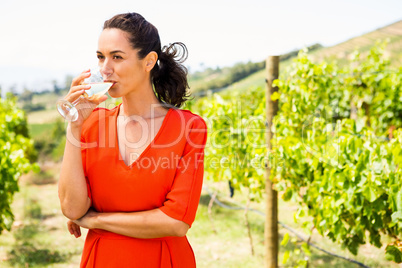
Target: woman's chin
(113,94)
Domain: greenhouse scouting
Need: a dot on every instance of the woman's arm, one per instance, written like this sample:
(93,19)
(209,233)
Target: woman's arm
(144,224)
(73,193)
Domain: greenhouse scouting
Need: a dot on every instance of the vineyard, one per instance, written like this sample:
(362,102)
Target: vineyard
(336,150)
(335,159)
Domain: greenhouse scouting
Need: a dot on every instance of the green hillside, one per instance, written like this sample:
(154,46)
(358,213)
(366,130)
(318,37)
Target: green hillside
(219,78)
(392,33)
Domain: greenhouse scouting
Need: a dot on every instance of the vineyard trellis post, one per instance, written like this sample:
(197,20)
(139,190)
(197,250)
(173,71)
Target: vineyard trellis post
(271,221)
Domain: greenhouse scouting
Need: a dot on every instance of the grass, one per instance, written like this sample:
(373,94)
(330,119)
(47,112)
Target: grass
(232,234)
(43,116)
(48,100)
(37,130)
(39,235)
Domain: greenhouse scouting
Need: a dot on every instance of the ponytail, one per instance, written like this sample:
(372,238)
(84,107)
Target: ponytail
(169,75)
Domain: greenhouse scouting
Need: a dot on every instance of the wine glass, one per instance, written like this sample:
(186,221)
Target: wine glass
(98,88)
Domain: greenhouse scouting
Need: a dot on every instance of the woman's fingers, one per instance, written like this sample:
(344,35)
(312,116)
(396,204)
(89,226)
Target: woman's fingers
(74,229)
(73,96)
(77,231)
(86,105)
(78,80)
(69,227)
(79,88)
(76,88)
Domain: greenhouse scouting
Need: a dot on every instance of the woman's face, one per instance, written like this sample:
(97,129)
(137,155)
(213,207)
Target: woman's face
(120,64)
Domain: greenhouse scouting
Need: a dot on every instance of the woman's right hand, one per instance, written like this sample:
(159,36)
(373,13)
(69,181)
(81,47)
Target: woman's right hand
(84,106)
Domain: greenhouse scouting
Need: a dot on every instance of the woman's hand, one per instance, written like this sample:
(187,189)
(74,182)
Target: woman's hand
(74,229)
(88,220)
(85,106)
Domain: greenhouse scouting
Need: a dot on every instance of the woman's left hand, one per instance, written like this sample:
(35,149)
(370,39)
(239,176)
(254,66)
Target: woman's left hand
(88,220)
(74,229)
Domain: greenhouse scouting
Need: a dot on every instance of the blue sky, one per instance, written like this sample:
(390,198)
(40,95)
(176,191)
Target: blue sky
(45,40)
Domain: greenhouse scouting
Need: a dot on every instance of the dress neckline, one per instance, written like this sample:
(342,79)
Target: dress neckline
(117,147)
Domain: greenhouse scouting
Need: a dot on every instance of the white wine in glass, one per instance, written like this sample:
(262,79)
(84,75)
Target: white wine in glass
(98,89)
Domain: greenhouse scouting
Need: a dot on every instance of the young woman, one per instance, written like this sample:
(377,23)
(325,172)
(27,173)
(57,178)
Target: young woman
(133,174)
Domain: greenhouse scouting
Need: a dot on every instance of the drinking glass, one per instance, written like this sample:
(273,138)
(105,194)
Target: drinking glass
(98,88)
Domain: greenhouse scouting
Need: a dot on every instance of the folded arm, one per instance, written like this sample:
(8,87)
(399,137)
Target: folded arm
(144,224)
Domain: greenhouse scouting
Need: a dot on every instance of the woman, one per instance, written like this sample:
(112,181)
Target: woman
(135,178)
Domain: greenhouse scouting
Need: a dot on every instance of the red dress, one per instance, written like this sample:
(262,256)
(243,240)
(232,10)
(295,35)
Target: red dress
(167,175)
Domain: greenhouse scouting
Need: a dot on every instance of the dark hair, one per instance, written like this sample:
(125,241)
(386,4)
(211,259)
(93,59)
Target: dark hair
(168,76)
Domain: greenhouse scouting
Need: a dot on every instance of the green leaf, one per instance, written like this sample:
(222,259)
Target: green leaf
(275,96)
(369,194)
(399,200)
(392,253)
(288,194)
(285,239)
(396,216)
(285,257)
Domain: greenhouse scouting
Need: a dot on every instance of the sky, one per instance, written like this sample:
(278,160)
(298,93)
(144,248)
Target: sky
(42,41)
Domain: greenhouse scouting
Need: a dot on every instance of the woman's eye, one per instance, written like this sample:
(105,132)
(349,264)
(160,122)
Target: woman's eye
(116,57)
(100,57)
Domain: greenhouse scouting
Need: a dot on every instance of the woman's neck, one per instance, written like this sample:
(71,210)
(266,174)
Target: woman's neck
(142,103)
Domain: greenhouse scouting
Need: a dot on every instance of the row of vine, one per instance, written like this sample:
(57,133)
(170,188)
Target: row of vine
(336,150)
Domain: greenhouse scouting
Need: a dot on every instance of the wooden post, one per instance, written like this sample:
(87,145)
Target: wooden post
(271,221)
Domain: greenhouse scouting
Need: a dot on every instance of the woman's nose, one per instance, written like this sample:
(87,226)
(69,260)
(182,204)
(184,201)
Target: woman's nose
(106,71)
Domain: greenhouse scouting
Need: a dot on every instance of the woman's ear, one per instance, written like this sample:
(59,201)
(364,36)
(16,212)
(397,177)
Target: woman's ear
(150,61)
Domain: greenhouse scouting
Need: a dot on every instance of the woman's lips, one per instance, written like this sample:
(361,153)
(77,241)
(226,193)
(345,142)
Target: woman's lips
(110,81)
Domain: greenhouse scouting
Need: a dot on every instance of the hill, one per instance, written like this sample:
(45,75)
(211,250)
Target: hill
(392,33)
(220,78)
